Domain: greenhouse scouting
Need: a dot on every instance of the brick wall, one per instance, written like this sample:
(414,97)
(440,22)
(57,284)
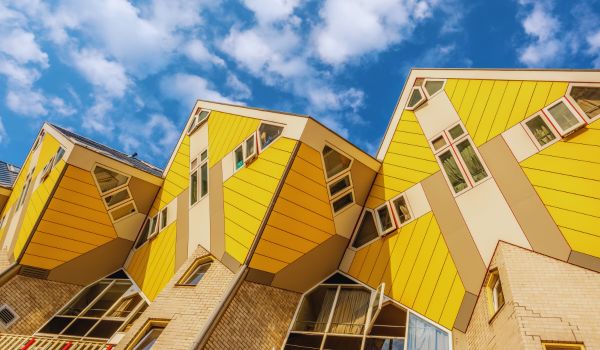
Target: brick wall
(546,299)
(4,259)
(258,318)
(187,307)
(35,301)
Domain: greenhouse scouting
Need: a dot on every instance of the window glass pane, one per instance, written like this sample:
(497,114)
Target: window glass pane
(439,143)
(250,146)
(498,295)
(108,179)
(339,185)
(367,230)
(343,202)
(192,124)
(384,344)
(122,212)
(451,169)
(56,325)
(202,116)
(239,157)
(401,209)
(415,98)
(108,299)
(563,116)
(335,162)
(391,322)
(267,133)
(423,335)
(116,198)
(84,298)
(194,187)
(80,327)
(385,220)
(197,275)
(467,152)
(149,339)
(163,218)
(144,234)
(315,310)
(588,99)
(433,86)
(333,342)
(105,329)
(153,224)
(540,130)
(59,154)
(126,306)
(203,179)
(204,155)
(135,317)
(456,131)
(350,312)
(298,341)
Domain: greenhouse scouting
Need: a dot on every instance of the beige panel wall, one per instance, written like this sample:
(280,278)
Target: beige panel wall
(257,318)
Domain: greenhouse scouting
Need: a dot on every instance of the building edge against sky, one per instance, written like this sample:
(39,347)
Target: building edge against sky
(476,226)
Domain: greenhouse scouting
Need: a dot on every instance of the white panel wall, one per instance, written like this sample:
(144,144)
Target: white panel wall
(519,142)
(436,115)
(199,219)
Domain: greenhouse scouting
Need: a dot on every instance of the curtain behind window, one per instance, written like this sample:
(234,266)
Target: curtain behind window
(350,312)
(424,336)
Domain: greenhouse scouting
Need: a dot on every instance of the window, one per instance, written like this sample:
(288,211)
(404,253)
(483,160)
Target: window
(385,223)
(148,335)
(200,115)
(39,139)
(25,189)
(563,117)
(195,273)
(98,311)
(267,133)
(339,180)
(338,186)
(108,180)
(460,161)
(494,293)
(401,210)
(59,154)
(52,163)
(163,218)
(335,162)
(341,314)
(194,188)
(199,178)
(117,197)
(433,86)
(562,346)
(540,131)
(366,231)
(245,152)
(123,211)
(417,97)
(342,202)
(587,99)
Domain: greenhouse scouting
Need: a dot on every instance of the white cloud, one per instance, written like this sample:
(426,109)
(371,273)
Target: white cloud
(352,28)
(241,90)
(22,47)
(3,133)
(60,107)
(197,52)
(187,88)
(17,74)
(26,102)
(267,11)
(134,135)
(97,119)
(542,27)
(593,40)
(108,76)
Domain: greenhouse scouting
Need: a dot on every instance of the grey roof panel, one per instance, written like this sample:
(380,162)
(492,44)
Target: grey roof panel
(8,174)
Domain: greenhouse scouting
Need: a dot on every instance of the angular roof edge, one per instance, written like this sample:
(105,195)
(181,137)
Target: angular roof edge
(8,174)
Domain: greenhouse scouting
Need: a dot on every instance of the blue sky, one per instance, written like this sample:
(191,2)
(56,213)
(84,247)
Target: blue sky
(126,73)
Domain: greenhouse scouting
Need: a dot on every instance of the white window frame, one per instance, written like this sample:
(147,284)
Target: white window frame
(246,158)
(39,139)
(344,190)
(395,212)
(259,147)
(341,173)
(198,171)
(195,123)
(342,194)
(444,137)
(383,233)
(120,203)
(163,220)
(46,170)
(550,117)
(553,130)
(575,105)
(132,202)
(111,169)
(435,93)
(357,228)
(495,293)
(153,231)
(420,102)
(378,296)
(462,166)
(25,189)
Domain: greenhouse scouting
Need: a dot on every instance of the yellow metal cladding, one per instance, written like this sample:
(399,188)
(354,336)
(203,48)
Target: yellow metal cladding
(566,176)
(37,201)
(153,264)
(301,218)
(408,161)
(74,223)
(177,178)
(225,132)
(417,269)
(248,193)
(489,107)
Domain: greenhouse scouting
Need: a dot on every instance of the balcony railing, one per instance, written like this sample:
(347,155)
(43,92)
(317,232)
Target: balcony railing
(27,342)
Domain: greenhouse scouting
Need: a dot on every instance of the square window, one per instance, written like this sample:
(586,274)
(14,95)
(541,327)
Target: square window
(452,171)
(250,148)
(456,131)
(471,160)
(123,211)
(384,219)
(148,336)
(338,186)
(238,157)
(540,131)
(401,209)
(163,218)
(196,272)
(439,142)
(343,201)
(565,119)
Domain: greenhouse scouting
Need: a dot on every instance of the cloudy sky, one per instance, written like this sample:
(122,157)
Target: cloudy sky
(126,73)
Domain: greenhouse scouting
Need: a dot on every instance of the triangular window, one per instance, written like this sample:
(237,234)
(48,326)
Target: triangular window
(367,231)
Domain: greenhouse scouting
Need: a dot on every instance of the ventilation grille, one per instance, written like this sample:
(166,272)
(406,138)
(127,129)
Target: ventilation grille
(34,272)
(7,316)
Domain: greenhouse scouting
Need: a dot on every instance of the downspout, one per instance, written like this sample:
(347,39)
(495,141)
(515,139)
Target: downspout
(240,276)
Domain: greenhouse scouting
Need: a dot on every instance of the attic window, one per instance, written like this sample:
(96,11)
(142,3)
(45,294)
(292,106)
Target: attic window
(540,131)
(200,116)
(384,219)
(267,133)
(334,161)
(116,198)
(401,209)
(108,180)
(432,86)
(587,98)
(367,231)
(7,316)
(417,97)
(566,120)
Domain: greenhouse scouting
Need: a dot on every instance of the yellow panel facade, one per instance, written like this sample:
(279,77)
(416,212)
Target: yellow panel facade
(177,178)
(74,222)
(153,264)
(490,107)
(408,161)
(225,132)
(301,218)
(566,176)
(33,208)
(246,197)
(417,269)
